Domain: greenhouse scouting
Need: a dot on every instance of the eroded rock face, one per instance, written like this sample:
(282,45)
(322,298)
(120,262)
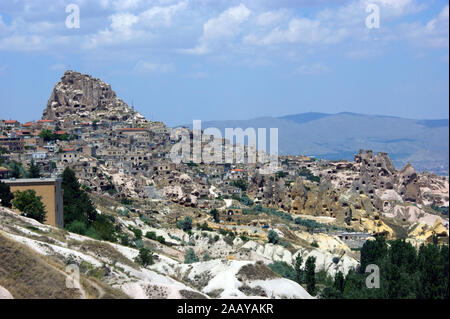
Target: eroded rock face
(81,97)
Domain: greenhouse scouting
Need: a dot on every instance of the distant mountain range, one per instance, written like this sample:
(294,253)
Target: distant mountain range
(423,143)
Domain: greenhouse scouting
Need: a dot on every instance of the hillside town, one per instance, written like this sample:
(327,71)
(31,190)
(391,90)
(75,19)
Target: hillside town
(315,207)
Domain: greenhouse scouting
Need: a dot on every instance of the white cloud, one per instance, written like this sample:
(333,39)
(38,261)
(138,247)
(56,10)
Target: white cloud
(330,25)
(161,16)
(226,25)
(22,43)
(270,18)
(301,30)
(433,35)
(121,5)
(123,21)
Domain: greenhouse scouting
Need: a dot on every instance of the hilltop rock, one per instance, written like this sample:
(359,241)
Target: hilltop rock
(80,97)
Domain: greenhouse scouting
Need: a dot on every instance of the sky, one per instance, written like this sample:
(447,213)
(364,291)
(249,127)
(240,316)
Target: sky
(179,60)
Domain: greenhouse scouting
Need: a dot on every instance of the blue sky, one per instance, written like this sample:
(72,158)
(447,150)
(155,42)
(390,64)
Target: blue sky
(180,60)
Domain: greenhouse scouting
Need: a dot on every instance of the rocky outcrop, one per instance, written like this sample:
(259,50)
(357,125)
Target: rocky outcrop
(339,260)
(5,294)
(80,97)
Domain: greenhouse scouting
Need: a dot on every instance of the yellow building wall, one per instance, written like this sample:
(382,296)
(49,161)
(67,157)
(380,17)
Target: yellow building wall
(47,192)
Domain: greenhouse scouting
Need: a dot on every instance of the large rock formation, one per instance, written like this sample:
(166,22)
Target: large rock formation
(80,97)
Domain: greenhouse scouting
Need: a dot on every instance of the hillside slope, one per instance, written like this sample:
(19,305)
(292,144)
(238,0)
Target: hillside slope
(33,260)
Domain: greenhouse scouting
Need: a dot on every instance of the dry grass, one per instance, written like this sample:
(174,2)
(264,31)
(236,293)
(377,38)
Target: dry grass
(103,250)
(27,275)
(258,271)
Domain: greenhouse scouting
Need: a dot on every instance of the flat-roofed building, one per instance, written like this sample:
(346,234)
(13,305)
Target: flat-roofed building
(12,144)
(51,192)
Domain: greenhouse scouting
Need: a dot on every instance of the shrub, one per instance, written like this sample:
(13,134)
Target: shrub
(273,237)
(190,257)
(305,172)
(139,243)
(145,257)
(126,201)
(240,183)
(283,269)
(229,240)
(125,240)
(185,224)
(137,233)
(281,174)
(151,235)
(205,227)
(245,200)
(244,238)
(77,227)
(215,214)
(161,239)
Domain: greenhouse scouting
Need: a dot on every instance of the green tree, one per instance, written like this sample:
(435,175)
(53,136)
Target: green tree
(190,257)
(310,272)
(273,237)
(185,224)
(339,282)
(79,208)
(16,170)
(298,269)
(240,183)
(29,204)
(5,195)
(215,215)
(432,276)
(34,170)
(372,252)
(145,257)
(77,204)
(46,135)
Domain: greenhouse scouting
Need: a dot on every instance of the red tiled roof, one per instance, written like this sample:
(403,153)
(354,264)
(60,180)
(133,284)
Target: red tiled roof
(45,121)
(27,124)
(68,149)
(11,121)
(60,132)
(237,170)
